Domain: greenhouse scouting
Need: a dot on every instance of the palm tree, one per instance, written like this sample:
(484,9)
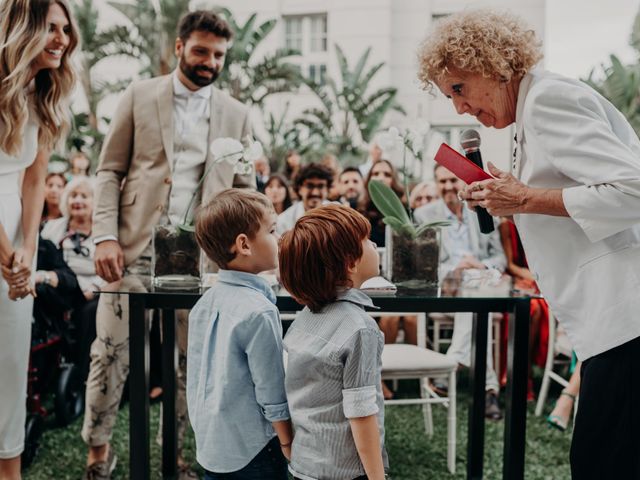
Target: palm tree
(282,136)
(251,80)
(348,114)
(150,36)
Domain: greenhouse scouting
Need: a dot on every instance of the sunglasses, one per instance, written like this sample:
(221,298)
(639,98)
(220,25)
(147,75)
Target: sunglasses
(77,238)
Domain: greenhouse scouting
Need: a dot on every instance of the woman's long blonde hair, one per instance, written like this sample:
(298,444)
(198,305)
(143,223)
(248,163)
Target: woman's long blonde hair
(23,36)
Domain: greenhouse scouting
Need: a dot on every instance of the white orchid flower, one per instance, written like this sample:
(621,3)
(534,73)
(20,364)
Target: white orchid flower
(228,149)
(390,140)
(254,151)
(243,168)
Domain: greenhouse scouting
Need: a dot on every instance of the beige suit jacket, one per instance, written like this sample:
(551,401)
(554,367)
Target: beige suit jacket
(136,161)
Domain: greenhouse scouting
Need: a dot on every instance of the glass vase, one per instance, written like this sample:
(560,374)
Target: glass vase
(176,258)
(413,262)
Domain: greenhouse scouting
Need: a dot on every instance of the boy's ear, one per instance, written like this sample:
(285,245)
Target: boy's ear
(241,245)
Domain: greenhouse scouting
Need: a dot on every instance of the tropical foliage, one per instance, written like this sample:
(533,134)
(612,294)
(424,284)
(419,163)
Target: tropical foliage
(348,114)
(252,80)
(620,83)
(621,86)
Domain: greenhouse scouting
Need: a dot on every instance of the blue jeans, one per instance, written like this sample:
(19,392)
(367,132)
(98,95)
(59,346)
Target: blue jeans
(269,464)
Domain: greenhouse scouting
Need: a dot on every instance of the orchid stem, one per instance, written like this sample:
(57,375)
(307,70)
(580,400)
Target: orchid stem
(195,192)
(406,181)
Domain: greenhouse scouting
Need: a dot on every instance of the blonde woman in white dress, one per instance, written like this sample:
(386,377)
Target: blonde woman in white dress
(36,79)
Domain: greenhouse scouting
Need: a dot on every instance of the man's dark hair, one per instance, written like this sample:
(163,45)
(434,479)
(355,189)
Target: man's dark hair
(203,21)
(351,169)
(313,170)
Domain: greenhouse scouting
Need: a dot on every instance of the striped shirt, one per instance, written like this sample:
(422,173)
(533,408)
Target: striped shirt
(333,374)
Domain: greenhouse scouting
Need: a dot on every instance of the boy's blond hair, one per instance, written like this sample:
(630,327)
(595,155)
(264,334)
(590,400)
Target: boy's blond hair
(231,213)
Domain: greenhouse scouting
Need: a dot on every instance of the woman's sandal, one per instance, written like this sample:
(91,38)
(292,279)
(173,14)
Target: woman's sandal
(556,421)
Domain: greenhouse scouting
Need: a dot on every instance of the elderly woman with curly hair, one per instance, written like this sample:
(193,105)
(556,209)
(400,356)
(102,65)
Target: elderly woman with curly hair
(573,191)
(36,80)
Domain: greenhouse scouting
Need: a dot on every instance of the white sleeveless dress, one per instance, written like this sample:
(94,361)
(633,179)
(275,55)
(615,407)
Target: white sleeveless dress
(15,317)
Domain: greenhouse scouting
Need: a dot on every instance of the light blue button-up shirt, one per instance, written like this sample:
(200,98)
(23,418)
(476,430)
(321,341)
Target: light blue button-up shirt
(235,372)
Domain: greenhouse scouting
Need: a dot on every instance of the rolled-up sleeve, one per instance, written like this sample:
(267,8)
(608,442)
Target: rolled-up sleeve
(586,145)
(262,343)
(361,373)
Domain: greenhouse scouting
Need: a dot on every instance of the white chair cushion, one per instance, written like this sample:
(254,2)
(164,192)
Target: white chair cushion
(410,361)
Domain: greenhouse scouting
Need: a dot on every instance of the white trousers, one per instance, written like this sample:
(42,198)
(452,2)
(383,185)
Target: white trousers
(460,348)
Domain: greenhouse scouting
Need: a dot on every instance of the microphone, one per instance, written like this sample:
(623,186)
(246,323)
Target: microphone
(470,142)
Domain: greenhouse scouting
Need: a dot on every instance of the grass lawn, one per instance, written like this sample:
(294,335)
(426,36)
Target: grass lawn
(412,455)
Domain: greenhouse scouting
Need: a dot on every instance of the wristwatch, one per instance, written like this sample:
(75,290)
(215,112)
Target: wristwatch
(47,278)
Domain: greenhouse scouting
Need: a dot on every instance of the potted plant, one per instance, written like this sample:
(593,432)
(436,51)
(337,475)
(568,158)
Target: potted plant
(176,255)
(412,251)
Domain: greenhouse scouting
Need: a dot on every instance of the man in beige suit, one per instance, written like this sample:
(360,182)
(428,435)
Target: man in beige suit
(156,151)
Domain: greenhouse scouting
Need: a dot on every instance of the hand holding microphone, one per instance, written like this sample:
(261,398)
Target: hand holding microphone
(470,141)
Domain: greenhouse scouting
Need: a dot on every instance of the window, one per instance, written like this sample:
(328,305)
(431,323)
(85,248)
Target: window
(293,32)
(318,33)
(318,73)
(308,34)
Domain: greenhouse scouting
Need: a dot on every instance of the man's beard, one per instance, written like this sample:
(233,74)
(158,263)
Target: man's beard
(192,73)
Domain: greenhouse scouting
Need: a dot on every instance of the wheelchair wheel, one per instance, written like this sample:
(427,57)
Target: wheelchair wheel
(33,431)
(69,401)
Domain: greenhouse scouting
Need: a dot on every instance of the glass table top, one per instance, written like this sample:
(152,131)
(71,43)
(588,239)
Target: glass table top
(457,284)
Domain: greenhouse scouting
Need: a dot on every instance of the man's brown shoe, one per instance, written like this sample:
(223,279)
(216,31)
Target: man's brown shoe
(101,470)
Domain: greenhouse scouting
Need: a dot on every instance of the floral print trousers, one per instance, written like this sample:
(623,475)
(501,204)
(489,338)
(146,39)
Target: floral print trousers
(110,358)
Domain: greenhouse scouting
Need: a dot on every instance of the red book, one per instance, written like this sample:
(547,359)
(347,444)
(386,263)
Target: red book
(459,165)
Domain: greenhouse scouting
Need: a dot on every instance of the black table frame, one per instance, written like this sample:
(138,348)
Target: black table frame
(517,361)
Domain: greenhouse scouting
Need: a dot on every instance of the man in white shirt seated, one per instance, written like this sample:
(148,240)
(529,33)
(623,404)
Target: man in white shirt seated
(464,247)
(311,184)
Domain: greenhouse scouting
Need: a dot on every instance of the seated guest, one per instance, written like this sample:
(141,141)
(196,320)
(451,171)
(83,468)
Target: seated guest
(311,184)
(330,161)
(53,185)
(79,164)
(383,171)
(351,186)
(464,247)
(263,170)
(422,194)
(72,234)
(560,416)
(277,190)
(292,164)
(375,155)
(523,279)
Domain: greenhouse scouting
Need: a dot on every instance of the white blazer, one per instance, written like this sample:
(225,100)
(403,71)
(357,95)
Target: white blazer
(588,264)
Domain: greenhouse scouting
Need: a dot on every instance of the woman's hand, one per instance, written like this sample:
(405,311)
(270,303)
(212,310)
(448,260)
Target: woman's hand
(503,196)
(18,275)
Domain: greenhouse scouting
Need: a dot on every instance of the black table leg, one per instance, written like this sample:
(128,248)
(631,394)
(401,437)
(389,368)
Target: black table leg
(478,371)
(516,400)
(139,389)
(169,424)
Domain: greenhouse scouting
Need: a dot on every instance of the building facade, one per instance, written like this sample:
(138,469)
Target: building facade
(393,29)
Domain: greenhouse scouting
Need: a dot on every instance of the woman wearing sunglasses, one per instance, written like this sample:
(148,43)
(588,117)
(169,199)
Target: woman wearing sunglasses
(72,235)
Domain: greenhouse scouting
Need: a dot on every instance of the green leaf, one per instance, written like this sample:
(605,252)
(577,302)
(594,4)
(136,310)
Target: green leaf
(399,227)
(425,226)
(187,227)
(387,201)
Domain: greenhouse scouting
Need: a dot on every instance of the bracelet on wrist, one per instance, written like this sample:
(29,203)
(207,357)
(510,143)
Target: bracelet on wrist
(285,445)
